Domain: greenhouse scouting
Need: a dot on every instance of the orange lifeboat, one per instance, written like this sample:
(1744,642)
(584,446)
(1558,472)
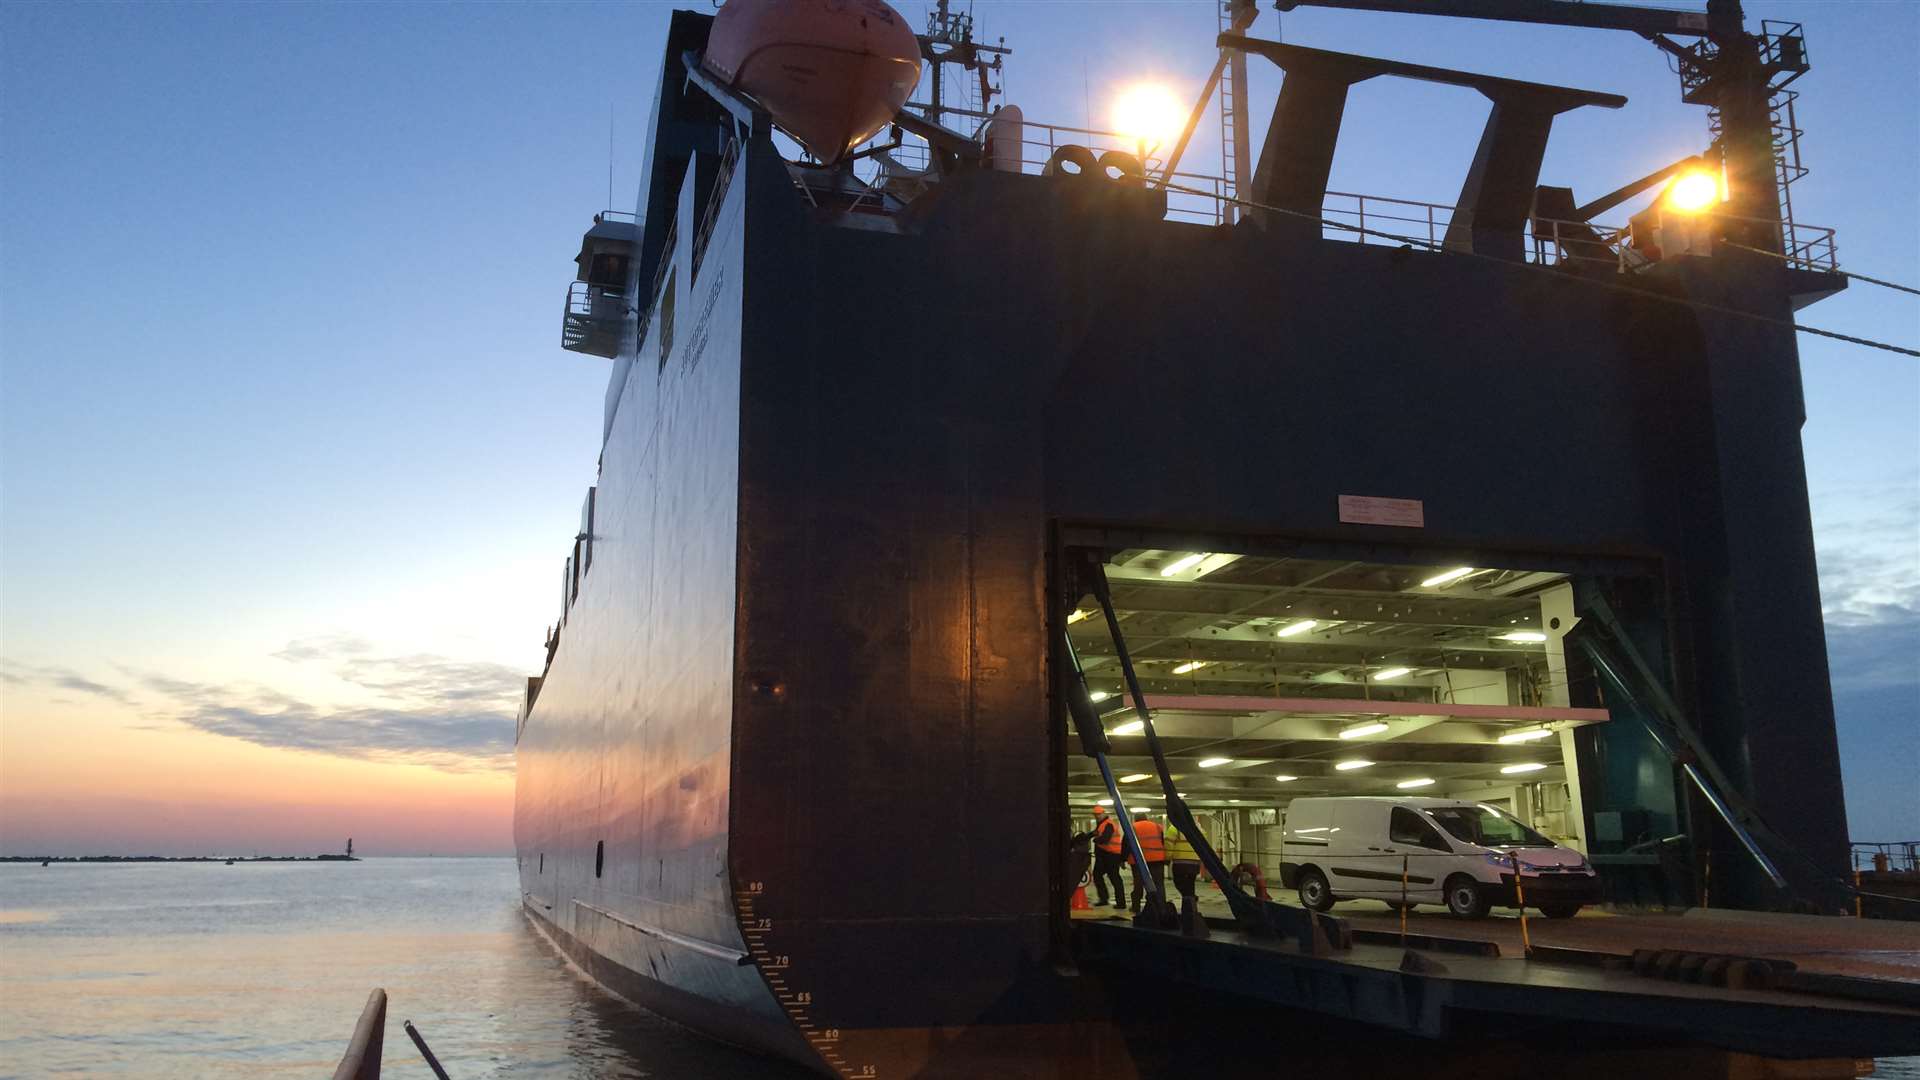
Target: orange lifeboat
(832,72)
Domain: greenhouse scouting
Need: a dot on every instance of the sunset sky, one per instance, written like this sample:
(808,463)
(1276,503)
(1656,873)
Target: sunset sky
(292,458)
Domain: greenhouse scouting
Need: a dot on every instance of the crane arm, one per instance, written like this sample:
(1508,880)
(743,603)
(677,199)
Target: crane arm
(1639,20)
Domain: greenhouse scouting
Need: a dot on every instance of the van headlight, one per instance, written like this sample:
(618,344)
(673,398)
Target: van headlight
(1499,859)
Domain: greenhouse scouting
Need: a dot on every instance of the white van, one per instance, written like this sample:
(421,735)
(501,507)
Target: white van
(1453,852)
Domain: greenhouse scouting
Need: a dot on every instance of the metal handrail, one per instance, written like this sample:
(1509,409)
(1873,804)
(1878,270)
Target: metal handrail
(729,159)
(1204,198)
(660,274)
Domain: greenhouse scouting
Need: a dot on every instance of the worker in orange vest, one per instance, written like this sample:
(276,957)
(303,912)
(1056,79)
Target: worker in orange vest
(1107,846)
(1153,848)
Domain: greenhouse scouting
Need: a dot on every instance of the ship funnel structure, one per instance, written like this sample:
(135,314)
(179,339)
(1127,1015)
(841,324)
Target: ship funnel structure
(831,72)
(599,299)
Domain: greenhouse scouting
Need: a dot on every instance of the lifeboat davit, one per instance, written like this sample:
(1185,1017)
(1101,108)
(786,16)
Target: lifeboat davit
(832,72)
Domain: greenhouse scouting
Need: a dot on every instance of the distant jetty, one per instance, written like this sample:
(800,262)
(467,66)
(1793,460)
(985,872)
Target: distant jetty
(228,859)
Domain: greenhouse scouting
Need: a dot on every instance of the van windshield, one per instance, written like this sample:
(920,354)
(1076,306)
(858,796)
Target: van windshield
(1486,826)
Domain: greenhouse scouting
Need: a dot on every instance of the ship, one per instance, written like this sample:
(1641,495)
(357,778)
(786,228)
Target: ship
(963,472)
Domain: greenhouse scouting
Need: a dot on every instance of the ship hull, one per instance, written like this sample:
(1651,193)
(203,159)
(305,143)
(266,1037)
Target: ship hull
(795,774)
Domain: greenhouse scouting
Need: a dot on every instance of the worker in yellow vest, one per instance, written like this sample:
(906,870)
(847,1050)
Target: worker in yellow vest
(1186,873)
(1107,854)
(1153,848)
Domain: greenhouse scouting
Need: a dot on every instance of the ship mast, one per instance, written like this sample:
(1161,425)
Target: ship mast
(949,40)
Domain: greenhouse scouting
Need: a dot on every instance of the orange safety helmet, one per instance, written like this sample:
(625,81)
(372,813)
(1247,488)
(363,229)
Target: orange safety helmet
(1099,811)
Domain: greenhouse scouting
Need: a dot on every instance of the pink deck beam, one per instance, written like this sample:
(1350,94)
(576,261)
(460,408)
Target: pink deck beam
(1345,707)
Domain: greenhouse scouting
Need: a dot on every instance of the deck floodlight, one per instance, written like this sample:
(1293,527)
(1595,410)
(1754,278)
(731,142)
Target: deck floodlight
(1530,766)
(1134,778)
(1447,578)
(1149,114)
(1362,730)
(1191,665)
(1208,763)
(1693,191)
(1526,736)
(1356,763)
(1390,673)
(1300,627)
(1131,727)
(1421,782)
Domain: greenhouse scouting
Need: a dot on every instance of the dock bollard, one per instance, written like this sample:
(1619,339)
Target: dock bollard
(432,1062)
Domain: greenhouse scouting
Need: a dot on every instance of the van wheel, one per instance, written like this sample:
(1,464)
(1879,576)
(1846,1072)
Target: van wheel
(1559,911)
(1315,895)
(1465,899)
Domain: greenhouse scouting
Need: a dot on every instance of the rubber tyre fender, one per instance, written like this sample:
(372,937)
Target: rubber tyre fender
(1121,167)
(1315,893)
(1465,899)
(1085,165)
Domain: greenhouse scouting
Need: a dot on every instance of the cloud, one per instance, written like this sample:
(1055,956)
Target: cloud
(1868,542)
(14,673)
(454,715)
(323,647)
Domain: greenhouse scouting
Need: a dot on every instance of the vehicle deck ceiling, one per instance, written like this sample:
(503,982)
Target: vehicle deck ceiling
(1369,618)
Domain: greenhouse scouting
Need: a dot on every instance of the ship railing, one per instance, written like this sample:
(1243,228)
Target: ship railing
(1368,219)
(729,159)
(660,276)
(1810,247)
(1898,856)
(592,319)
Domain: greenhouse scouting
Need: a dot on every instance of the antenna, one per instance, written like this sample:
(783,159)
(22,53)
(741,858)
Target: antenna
(609,155)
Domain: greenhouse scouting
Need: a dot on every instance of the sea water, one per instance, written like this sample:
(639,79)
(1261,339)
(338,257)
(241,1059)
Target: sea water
(261,970)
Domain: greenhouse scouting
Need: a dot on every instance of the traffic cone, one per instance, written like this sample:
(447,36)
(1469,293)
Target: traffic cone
(1080,898)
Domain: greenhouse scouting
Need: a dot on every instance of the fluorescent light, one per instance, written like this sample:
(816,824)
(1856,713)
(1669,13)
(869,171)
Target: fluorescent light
(1525,736)
(1104,802)
(1422,782)
(1208,763)
(1131,727)
(1300,627)
(1182,563)
(1099,696)
(1531,766)
(1356,763)
(1191,665)
(1132,778)
(1374,728)
(1078,614)
(1390,673)
(1447,578)
(1530,636)
(1284,778)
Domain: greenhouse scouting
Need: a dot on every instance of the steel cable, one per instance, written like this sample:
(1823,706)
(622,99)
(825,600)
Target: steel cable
(1432,246)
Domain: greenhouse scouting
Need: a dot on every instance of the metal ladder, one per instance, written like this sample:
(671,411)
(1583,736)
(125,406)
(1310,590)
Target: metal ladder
(1231,94)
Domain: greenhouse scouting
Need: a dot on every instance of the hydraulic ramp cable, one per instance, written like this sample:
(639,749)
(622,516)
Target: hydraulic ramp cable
(1610,286)
(1848,274)
(1309,928)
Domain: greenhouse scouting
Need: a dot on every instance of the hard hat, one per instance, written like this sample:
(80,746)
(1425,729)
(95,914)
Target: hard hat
(1099,811)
